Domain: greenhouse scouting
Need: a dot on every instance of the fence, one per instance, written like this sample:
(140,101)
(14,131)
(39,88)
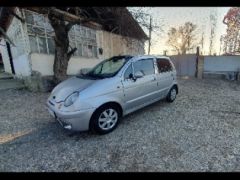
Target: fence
(222,66)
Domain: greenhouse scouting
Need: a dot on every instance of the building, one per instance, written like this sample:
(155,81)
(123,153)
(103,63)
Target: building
(34,42)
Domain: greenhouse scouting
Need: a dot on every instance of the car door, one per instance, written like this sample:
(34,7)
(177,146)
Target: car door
(164,76)
(141,90)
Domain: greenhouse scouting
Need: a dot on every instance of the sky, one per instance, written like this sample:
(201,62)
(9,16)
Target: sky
(174,16)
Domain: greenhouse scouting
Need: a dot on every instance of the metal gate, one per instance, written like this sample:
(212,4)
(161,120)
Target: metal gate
(185,64)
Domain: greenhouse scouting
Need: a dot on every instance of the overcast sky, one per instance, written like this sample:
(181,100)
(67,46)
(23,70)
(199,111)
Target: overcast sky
(175,16)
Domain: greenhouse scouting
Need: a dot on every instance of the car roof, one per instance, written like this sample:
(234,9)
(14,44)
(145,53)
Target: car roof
(150,56)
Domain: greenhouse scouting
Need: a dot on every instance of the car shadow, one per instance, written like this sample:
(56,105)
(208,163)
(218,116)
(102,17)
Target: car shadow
(52,131)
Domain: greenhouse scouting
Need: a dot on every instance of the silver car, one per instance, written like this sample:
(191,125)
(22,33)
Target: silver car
(114,88)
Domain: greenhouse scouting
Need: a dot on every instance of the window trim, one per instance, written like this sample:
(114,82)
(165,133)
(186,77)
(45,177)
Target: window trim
(124,71)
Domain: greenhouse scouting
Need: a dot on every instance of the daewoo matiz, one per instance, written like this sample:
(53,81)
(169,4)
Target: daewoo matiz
(112,89)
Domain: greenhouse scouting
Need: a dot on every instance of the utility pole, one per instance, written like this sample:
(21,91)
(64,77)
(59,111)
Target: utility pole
(150,34)
(202,41)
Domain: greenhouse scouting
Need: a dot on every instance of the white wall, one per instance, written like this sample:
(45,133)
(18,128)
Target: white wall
(112,45)
(221,63)
(19,52)
(43,63)
(22,66)
(5,57)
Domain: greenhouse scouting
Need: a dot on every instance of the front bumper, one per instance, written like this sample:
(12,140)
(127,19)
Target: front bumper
(75,121)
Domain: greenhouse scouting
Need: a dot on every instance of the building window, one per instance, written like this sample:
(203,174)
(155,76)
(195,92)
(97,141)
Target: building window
(41,36)
(84,39)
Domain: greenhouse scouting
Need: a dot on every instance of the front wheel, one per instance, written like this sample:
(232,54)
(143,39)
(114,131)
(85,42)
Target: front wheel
(172,94)
(105,119)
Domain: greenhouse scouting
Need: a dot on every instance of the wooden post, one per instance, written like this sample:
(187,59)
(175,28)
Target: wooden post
(199,65)
(197,59)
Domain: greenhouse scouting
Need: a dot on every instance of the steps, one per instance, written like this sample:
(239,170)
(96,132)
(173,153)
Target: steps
(4,75)
(8,82)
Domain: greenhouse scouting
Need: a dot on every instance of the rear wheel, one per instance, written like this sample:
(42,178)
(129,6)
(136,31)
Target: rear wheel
(105,119)
(172,94)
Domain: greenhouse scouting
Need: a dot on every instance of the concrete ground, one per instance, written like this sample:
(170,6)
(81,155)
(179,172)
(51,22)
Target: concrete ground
(198,132)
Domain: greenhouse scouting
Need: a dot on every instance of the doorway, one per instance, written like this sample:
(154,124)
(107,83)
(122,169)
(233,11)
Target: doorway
(10,57)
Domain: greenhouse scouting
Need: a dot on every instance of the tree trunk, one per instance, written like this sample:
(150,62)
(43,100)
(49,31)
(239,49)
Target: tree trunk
(62,55)
(60,64)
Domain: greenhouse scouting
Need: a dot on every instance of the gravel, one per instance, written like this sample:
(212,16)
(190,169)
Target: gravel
(199,131)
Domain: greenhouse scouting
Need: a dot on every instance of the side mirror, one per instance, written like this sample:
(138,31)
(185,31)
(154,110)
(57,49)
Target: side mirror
(138,74)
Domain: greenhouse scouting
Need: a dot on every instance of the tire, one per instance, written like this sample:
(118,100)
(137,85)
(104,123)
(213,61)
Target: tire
(105,119)
(172,94)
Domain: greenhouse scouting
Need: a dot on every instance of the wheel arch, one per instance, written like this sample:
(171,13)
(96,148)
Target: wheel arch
(113,103)
(175,85)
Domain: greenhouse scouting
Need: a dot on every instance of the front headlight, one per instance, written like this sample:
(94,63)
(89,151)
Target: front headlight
(71,99)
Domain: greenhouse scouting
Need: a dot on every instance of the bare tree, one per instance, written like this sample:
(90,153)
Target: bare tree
(62,22)
(231,40)
(213,22)
(143,16)
(183,38)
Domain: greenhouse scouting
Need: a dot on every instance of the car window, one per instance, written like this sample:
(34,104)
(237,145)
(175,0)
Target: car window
(163,65)
(108,67)
(128,71)
(145,66)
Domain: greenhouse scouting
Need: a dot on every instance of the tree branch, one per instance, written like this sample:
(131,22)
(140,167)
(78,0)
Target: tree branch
(69,25)
(70,53)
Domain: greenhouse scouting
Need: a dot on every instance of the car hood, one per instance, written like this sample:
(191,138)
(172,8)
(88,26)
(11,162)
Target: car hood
(67,87)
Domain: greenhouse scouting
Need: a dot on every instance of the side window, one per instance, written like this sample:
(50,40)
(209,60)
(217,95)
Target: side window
(145,66)
(128,71)
(164,65)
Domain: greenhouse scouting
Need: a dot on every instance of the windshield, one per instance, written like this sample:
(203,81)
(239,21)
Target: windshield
(109,67)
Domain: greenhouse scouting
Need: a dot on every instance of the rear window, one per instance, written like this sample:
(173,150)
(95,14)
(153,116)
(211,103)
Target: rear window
(164,65)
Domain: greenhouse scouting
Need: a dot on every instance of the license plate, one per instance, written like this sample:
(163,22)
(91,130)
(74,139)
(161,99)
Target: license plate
(51,112)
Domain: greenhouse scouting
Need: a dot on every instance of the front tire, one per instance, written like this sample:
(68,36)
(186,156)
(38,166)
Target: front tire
(172,94)
(105,119)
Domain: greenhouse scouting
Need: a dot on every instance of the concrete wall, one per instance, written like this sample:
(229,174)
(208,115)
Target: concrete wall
(43,63)
(5,57)
(221,63)
(22,66)
(17,33)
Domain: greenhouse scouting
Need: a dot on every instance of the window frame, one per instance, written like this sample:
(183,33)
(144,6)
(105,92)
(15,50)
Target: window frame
(131,64)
